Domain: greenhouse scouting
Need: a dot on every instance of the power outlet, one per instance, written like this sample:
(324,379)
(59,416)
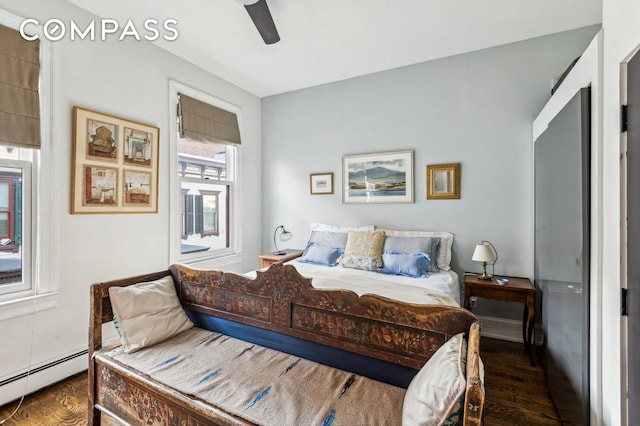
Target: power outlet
(473,302)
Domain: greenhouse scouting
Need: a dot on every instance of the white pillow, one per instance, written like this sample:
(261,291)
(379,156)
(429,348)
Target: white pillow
(446,241)
(435,396)
(147,313)
(332,228)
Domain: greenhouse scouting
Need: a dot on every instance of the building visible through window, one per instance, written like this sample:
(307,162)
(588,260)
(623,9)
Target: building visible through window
(15,166)
(205,193)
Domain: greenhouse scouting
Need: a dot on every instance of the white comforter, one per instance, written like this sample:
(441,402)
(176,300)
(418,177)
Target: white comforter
(439,288)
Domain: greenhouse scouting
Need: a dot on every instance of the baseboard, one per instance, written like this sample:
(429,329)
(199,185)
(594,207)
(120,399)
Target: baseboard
(505,329)
(41,377)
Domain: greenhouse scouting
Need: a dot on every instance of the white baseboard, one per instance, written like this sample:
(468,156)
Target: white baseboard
(505,329)
(14,390)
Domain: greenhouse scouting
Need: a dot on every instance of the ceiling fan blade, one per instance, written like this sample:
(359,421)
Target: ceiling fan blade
(261,17)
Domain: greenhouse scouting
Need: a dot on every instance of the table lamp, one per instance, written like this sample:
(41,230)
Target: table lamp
(484,253)
(284,236)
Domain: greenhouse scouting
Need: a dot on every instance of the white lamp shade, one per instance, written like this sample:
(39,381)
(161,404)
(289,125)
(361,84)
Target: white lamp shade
(285,235)
(483,253)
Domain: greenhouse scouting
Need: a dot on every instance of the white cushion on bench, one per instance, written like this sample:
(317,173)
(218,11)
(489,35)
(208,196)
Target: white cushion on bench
(435,396)
(147,313)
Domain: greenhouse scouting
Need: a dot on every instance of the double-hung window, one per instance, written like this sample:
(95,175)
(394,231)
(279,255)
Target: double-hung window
(207,142)
(19,155)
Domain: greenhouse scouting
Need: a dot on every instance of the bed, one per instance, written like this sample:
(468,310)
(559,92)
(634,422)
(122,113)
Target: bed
(422,259)
(394,354)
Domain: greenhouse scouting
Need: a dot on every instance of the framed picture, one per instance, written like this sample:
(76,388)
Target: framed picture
(321,183)
(115,164)
(378,178)
(443,181)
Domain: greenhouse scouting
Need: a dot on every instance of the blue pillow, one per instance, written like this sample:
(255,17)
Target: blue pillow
(329,239)
(427,245)
(321,255)
(411,265)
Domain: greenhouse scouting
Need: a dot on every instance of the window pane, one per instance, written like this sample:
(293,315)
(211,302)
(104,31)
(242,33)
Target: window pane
(210,207)
(206,224)
(10,225)
(4,195)
(202,160)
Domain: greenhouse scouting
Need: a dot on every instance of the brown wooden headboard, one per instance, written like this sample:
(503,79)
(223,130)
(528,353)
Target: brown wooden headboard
(281,300)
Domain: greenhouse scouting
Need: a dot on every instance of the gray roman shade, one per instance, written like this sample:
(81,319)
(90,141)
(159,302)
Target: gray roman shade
(200,121)
(19,99)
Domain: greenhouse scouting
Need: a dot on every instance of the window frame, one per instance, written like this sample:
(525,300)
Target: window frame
(221,257)
(26,287)
(42,272)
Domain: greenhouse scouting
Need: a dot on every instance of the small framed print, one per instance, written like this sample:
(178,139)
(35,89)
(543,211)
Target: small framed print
(321,183)
(115,164)
(443,181)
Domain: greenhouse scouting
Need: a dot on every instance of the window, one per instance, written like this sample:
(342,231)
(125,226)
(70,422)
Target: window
(205,193)
(21,80)
(206,163)
(15,218)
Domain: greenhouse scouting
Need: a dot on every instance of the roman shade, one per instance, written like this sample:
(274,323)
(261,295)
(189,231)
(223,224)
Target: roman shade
(19,99)
(203,122)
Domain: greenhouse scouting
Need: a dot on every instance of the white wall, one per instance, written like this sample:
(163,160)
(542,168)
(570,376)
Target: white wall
(127,79)
(621,38)
(476,109)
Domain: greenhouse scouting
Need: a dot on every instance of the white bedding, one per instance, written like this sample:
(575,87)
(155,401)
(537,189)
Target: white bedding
(441,288)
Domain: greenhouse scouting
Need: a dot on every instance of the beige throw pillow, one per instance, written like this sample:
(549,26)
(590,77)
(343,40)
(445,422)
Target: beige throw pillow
(364,250)
(147,313)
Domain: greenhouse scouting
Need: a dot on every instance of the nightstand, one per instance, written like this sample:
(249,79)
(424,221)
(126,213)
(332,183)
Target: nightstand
(269,259)
(515,290)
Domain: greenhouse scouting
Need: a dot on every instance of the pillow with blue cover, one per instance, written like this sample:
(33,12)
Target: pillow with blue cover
(414,244)
(408,264)
(321,255)
(443,259)
(329,239)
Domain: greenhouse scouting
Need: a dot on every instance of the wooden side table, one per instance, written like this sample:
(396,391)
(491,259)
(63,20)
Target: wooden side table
(269,259)
(515,290)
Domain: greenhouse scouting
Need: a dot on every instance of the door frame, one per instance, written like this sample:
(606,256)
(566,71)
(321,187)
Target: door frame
(624,323)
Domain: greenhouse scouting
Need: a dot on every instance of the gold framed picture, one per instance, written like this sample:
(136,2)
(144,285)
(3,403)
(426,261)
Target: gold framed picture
(443,181)
(321,183)
(115,164)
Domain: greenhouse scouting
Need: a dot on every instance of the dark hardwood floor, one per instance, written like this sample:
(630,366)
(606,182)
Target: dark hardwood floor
(516,394)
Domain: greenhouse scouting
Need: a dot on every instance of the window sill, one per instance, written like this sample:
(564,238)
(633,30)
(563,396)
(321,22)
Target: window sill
(216,262)
(27,305)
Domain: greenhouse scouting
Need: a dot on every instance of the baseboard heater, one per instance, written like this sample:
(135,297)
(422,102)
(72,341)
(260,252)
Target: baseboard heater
(42,368)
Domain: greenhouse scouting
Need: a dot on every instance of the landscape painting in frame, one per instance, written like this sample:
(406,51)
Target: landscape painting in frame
(115,164)
(378,178)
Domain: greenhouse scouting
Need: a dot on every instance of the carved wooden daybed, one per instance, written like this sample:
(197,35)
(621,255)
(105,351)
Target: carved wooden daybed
(278,309)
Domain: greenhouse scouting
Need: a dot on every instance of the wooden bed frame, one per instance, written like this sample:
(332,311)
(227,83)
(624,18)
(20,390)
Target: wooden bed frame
(281,300)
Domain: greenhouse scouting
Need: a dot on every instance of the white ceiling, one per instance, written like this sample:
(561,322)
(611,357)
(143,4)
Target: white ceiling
(329,40)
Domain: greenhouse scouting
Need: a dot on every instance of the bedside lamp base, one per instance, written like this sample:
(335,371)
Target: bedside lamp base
(484,275)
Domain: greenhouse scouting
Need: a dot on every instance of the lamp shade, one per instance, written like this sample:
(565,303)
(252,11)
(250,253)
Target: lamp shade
(284,236)
(483,253)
